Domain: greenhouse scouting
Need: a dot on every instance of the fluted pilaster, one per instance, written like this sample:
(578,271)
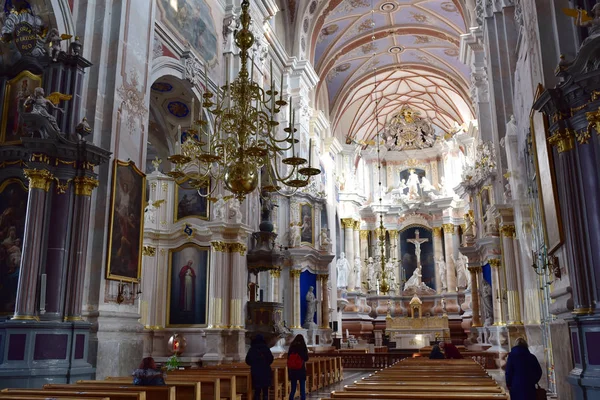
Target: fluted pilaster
(449,248)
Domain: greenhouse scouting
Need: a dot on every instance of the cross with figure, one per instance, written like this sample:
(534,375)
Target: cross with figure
(417,241)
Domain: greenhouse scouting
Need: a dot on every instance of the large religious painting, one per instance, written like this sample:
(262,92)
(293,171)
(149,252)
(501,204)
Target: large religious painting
(188,286)
(126,222)
(408,254)
(191,202)
(17,90)
(546,180)
(192,21)
(13,204)
(307,224)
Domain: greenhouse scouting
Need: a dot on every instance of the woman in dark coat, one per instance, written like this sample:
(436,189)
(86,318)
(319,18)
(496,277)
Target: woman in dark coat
(523,371)
(297,349)
(147,374)
(260,358)
(436,353)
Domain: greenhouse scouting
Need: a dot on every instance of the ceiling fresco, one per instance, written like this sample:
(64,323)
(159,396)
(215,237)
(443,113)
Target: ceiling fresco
(410,46)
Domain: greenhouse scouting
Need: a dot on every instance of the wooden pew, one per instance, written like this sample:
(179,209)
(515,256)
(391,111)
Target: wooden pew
(210,387)
(43,397)
(75,392)
(152,392)
(184,390)
(416,388)
(228,380)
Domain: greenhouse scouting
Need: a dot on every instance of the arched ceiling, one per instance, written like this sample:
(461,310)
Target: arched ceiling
(406,51)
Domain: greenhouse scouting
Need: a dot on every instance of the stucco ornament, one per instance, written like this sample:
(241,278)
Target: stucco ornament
(132,101)
(407,131)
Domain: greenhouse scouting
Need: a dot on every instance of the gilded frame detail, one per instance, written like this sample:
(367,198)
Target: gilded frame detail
(312,223)
(488,191)
(178,188)
(7,97)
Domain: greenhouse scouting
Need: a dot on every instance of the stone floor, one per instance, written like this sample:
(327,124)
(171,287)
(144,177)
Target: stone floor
(349,377)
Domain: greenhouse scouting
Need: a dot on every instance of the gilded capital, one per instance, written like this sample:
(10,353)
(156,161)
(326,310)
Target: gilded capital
(448,228)
(356,225)
(149,251)
(39,178)
(393,234)
(507,230)
(219,246)
(85,185)
(275,273)
(563,140)
(295,273)
(495,262)
(437,231)
(364,234)
(347,223)
(323,277)
(237,248)
(379,232)
(474,269)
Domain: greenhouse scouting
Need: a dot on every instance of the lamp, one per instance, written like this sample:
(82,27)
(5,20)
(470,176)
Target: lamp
(243,141)
(549,265)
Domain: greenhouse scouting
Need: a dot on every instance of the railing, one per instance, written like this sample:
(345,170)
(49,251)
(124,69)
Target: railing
(484,358)
(365,360)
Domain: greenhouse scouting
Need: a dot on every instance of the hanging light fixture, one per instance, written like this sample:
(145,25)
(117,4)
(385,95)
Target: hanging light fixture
(245,138)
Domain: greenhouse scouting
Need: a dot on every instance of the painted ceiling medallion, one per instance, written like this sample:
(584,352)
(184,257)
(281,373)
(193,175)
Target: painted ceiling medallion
(389,6)
(408,131)
(178,109)
(162,87)
(396,49)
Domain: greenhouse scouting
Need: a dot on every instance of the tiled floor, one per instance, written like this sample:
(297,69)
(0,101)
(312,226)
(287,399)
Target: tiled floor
(349,377)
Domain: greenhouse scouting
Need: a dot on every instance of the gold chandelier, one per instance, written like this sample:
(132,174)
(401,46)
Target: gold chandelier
(244,139)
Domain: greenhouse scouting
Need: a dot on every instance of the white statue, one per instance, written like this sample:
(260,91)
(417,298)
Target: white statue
(325,241)
(371,275)
(426,185)
(413,185)
(415,280)
(461,271)
(235,213)
(357,273)
(294,235)
(219,209)
(402,185)
(343,267)
(488,307)
(441,266)
(150,213)
(311,308)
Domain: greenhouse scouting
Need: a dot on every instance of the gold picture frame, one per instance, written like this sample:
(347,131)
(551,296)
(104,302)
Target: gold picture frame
(176,314)
(485,198)
(307,232)
(126,232)
(195,211)
(10,108)
(543,160)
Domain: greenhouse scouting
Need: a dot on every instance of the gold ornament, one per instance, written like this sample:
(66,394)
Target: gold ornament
(85,185)
(39,178)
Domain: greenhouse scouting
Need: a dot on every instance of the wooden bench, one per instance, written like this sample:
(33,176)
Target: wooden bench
(152,392)
(75,392)
(229,388)
(183,390)
(210,386)
(44,397)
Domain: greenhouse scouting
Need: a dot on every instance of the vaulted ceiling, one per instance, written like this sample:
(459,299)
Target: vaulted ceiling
(395,51)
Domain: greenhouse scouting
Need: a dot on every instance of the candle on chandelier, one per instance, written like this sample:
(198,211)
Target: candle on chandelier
(309,153)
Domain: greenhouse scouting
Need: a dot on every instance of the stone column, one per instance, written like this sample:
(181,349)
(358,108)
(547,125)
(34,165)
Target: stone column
(438,252)
(475,272)
(324,280)
(495,264)
(348,225)
(395,253)
(84,185)
(295,285)
(456,240)
(450,267)
(364,251)
(40,181)
(510,265)
(216,319)
(274,275)
(357,252)
(237,285)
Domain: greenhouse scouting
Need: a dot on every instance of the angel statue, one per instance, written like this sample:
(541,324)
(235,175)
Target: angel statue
(582,18)
(35,116)
(53,40)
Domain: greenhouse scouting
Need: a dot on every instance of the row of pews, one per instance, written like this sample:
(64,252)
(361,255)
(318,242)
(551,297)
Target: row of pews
(220,382)
(420,378)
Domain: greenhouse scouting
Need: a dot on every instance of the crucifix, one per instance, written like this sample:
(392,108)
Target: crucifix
(417,241)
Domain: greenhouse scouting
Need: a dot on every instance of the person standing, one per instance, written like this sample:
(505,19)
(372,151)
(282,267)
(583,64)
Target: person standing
(296,363)
(523,372)
(260,358)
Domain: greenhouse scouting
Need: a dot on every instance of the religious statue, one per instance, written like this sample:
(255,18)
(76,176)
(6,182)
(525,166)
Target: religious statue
(415,280)
(441,266)
(592,22)
(469,234)
(426,185)
(39,119)
(294,235)
(357,273)
(311,308)
(235,213)
(150,213)
(343,267)
(461,271)
(488,307)
(53,40)
(219,209)
(325,241)
(266,206)
(413,185)
(371,274)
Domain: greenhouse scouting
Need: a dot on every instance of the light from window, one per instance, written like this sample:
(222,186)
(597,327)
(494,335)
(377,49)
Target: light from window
(173,4)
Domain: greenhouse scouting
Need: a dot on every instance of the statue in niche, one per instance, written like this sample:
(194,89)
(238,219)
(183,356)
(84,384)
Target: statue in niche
(219,209)
(343,267)
(325,241)
(415,280)
(294,235)
(371,274)
(413,185)
(357,272)
(235,213)
(469,234)
(441,266)
(426,185)
(311,308)
(488,307)
(34,115)
(461,271)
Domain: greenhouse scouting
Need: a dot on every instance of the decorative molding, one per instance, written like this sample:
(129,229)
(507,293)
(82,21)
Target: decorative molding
(437,231)
(448,228)
(364,234)
(563,140)
(85,185)
(347,223)
(495,262)
(39,178)
(507,230)
(295,273)
(149,251)
(356,225)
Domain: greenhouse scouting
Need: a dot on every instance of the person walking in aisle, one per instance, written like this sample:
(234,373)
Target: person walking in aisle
(260,358)
(296,363)
(523,372)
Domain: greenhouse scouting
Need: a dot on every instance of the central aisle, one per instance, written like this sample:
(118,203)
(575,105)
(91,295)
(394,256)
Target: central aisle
(349,377)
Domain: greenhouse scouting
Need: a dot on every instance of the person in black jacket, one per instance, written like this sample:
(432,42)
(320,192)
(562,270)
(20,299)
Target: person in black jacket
(297,349)
(523,371)
(260,358)
(436,353)
(148,374)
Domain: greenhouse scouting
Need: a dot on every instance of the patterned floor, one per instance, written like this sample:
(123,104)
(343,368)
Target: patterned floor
(349,377)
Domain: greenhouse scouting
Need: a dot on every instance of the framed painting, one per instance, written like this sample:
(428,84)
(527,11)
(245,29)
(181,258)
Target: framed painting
(307,224)
(546,179)
(13,206)
(189,203)
(485,201)
(188,286)
(17,90)
(126,230)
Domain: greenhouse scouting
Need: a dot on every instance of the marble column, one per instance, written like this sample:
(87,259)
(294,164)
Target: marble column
(84,186)
(449,248)
(438,251)
(237,285)
(348,225)
(395,253)
(40,181)
(357,253)
(495,264)
(274,276)
(456,240)
(324,280)
(510,266)
(475,273)
(295,285)
(364,251)
(218,255)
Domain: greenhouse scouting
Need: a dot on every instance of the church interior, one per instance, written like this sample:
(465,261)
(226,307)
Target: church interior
(375,175)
